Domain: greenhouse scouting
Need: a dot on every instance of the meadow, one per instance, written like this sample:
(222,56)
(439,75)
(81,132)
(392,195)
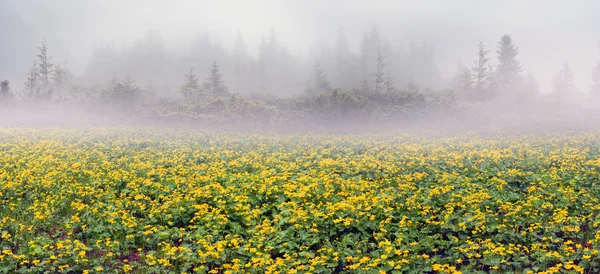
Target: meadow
(143,201)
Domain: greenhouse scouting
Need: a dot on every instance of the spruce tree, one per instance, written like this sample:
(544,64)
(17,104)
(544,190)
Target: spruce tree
(370,47)
(123,92)
(480,70)
(5,92)
(389,84)
(214,83)
(31,85)
(111,90)
(509,69)
(190,89)
(342,50)
(59,75)
(563,82)
(379,76)
(345,63)
(273,40)
(463,78)
(128,91)
(321,84)
(491,78)
(45,64)
(240,54)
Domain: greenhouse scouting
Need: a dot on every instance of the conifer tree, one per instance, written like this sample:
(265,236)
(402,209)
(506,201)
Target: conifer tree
(342,50)
(379,76)
(464,78)
(345,63)
(190,89)
(128,90)
(509,69)
(111,89)
(214,83)
(273,40)
(125,91)
(480,70)
(59,75)
(321,84)
(389,84)
(240,54)
(44,63)
(5,92)
(563,82)
(31,85)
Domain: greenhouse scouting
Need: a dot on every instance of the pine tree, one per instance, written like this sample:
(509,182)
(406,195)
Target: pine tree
(190,89)
(491,78)
(59,75)
(375,39)
(240,54)
(111,90)
(128,91)
(214,84)
(267,63)
(345,63)
(342,50)
(123,92)
(319,82)
(379,76)
(464,78)
(563,82)
(273,40)
(45,65)
(370,47)
(5,92)
(389,84)
(480,70)
(509,69)
(31,86)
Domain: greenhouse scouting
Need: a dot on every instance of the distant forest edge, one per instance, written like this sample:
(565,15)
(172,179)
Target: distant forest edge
(378,86)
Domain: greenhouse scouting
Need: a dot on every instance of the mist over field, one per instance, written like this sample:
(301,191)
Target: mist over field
(300,136)
(301,65)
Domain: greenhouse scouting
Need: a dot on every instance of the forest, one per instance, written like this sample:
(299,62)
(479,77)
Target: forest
(380,86)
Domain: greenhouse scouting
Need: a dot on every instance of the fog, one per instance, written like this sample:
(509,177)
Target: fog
(423,43)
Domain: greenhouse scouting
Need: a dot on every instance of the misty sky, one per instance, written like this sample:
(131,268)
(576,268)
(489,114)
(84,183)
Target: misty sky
(548,33)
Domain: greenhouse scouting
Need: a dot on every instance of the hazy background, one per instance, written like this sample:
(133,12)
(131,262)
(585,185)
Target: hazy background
(548,33)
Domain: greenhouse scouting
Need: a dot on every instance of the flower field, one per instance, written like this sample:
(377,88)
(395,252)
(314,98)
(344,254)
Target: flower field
(125,200)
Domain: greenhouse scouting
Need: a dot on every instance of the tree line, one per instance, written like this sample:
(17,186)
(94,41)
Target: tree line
(339,83)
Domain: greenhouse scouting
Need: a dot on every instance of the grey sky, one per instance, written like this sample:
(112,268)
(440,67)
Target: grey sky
(548,33)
